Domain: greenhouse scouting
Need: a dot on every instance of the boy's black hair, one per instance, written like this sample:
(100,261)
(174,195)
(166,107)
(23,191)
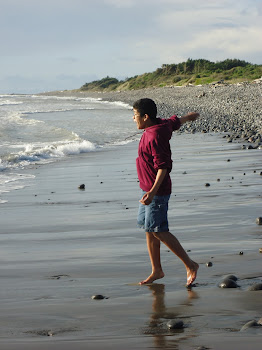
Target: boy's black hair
(146,106)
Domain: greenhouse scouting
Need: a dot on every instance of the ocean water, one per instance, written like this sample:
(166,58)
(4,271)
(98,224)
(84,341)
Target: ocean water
(42,129)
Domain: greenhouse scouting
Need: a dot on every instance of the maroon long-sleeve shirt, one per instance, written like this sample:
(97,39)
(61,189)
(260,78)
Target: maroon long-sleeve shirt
(154,153)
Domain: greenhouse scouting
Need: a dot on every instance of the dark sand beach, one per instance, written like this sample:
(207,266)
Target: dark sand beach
(61,245)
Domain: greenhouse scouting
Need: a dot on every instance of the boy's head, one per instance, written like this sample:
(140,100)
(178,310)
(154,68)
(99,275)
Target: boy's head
(146,106)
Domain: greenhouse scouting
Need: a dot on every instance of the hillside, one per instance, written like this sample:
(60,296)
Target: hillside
(194,72)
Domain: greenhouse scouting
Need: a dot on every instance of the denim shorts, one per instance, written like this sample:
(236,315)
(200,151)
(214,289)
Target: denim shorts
(153,217)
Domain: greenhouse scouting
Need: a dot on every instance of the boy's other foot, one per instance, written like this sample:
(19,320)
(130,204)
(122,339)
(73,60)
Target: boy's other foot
(192,273)
(153,277)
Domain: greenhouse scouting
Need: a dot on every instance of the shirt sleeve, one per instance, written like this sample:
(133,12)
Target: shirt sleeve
(174,122)
(161,153)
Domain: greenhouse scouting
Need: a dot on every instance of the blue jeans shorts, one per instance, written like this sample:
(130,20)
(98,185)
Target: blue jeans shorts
(153,217)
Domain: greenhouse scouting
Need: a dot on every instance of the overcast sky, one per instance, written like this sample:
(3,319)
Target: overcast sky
(62,44)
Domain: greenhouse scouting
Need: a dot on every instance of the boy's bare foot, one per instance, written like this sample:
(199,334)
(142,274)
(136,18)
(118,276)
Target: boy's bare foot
(192,273)
(154,276)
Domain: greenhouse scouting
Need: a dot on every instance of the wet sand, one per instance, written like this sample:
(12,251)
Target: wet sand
(60,246)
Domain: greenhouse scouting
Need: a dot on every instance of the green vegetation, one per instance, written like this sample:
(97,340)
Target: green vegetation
(194,72)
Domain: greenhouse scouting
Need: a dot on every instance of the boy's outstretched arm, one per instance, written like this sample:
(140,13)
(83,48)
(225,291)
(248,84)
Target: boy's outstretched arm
(190,117)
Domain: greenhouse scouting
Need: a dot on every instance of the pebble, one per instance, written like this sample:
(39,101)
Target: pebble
(207,184)
(82,187)
(209,264)
(175,324)
(259,220)
(231,277)
(241,253)
(228,283)
(98,297)
(249,324)
(255,287)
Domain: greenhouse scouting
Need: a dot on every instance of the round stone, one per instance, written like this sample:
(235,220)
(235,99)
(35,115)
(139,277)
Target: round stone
(207,184)
(209,264)
(256,286)
(249,324)
(98,297)
(228,283)
(81,187)
(241,253)
(231,277)
(175,324)
(259,220)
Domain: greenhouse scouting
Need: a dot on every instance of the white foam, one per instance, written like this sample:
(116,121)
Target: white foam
(9,102)
(33,153)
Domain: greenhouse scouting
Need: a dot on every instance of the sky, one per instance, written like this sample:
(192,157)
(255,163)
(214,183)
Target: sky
(49,45)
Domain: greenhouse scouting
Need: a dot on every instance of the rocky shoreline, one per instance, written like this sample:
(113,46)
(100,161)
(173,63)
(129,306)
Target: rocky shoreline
(235,110)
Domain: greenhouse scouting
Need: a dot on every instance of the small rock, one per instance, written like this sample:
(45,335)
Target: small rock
(228,283)
(175,324)
(259,220)
(228,160)
(231,277)
(256,286)
(249,324)
(98,297)
(82,187)
(218,180)
(241,253)
(209,264)
(207,184)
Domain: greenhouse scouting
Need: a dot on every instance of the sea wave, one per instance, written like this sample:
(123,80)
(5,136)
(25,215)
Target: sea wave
(36,111)
(9,102)
(34,154)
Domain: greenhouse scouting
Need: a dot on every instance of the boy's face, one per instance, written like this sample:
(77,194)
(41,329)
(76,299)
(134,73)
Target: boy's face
(140,122)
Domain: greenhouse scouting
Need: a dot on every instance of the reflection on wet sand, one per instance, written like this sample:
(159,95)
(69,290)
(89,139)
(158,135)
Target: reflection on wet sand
(161,314)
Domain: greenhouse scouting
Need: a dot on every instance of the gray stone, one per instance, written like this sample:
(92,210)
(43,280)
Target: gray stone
(259,220)
(249,324)
(228,283)
(255,287)
(231,277)
(98,297)
(175,324)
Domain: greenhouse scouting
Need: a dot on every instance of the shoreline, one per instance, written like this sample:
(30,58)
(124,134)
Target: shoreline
(233,109)
(62,245)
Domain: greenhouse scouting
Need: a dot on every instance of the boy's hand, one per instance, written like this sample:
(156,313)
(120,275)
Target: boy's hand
(147,198)
(190,117)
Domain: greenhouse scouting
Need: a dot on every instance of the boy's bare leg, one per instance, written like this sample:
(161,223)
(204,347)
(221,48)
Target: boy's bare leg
(153,246)
(173,244)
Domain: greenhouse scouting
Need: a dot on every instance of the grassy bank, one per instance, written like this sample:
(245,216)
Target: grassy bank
(194,72)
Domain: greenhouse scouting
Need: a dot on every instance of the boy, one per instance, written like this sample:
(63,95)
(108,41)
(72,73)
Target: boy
(153,167)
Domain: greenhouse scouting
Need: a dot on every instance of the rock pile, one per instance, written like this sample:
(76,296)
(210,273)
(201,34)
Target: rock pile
(233,109)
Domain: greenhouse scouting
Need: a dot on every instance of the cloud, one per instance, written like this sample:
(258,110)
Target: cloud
(121,3)
(231,41)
